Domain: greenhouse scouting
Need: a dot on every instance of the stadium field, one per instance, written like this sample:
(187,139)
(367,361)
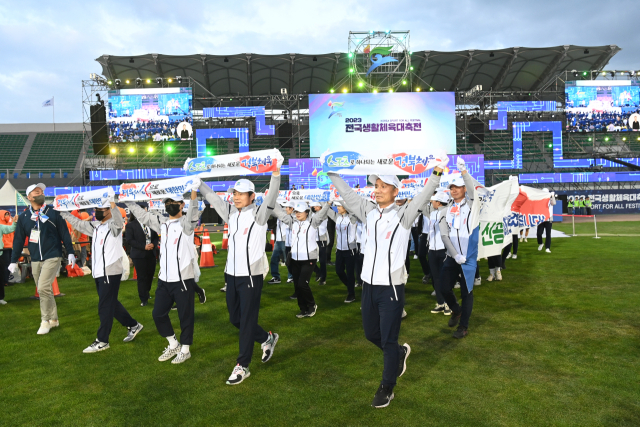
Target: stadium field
(554,343)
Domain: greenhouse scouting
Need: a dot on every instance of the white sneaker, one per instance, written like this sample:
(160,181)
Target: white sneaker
(509,256)
(133,331)
(238,375)
(268,346)
(477,282)
(224,288)
(521,240)
(181,357)
(490,278)
(548,251)
(433,294)
(96,346)
(415,257)
(498,275)
(540,247)
(2,302)
(525,240)
(282,264)
(54,323)
(45,327)
(290,280)
(168,353)
(457,285)
(515,257)
(404,313)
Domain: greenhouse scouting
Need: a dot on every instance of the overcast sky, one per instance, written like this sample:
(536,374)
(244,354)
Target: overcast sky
(47,48)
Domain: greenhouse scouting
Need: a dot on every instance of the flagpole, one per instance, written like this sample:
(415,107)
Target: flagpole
(54,113)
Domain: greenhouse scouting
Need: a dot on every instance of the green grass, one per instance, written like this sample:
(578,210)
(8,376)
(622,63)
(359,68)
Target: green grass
(554,343)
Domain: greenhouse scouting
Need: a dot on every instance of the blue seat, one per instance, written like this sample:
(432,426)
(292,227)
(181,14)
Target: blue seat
(28,174)
(53,174)
(40,175)
(2,175)
(65,174)
(15,175)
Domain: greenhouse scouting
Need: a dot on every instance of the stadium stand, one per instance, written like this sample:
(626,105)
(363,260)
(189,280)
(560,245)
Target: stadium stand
(52,152)
(11,147)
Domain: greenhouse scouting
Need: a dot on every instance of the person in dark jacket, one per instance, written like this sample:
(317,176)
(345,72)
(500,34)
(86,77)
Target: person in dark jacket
(46,230)
(143,242)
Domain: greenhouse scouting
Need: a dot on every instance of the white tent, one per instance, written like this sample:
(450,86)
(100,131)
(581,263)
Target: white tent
(9,196)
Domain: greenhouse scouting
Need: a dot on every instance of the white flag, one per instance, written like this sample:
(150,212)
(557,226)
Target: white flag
(48,103)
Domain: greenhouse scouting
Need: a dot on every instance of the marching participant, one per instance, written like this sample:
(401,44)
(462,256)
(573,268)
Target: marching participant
(437,250)
(106,269)
(47,231)
(546,225)
(455,232)
(288,207)
(278,251)
(383,271)
(246,266)
(361,237)
(346,249)
(304,252)
(178,271)
(323,240)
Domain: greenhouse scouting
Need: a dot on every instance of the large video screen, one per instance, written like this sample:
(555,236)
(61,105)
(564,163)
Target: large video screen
(162,114)
(603,106)
(376,121)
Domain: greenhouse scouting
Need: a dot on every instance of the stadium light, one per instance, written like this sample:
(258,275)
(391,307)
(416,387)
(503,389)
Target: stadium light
(584,73)
(138,81)
(169,148)
(360,84)
(159,80)
(431,89)
(344,90)
(417,89)
(375,91)
(170,80)
(550,145)
(109,82)
(114,151)
(118,82)
(411,68)
(150,149)
(404,82)
(127,82)
(390,90)
(208,152)
(350,54)
(624,139)
(589,139)
(148,80)
(331,90)
(132,150)
(351,70)
(606,138)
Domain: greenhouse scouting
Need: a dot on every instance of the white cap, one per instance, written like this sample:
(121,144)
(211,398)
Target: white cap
(458,182)
(337,202)
(289,204)
(301,207)
(441,197)
(387,179)
(174,198)
(34,186)
(242,186)
(315,204)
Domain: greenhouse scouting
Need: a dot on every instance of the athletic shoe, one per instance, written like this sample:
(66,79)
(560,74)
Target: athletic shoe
(490,278)
(268,346)
(415,257)
(133,331)
(521,240)
(282,264)
(317,278)
(525,240)
(301,314)
(548,250)
(455,318)
(143,304)
(290,280)
(224,288)
(540,247)
(311,311)
(44,327)
(350,298)
(477,281)
(439,308)
(181,357)
(498,275)
(358,284)
(274,281)
(174,307)
(433,294)
(324,282)
(404,313)
(460,332)
(383,397)
(509,256)
(331,263)
(515,257)
(169,353)
(202,296)
(96,346)
(403,360)
(457,285)
(238,375)
(425,280)
(54,323)
(294,296)
(2,302)
(447,310)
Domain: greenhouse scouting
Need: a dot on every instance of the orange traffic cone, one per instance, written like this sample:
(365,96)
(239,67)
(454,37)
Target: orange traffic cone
(206,253)
(273,241)
(225,236)
(135,274)
(55,288)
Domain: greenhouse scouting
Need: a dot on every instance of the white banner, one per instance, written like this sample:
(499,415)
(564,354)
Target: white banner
(530,208)
(157,205)
(495,232)
(380,163)
(311,195)
(249,163)
(86,200)
(167,188)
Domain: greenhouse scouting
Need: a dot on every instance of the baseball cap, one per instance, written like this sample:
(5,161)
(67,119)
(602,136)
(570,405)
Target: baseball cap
(174,198)
(301,207)
(315,204)
(242,186)
(34,186)
(458,182)
(337,202)
(387,179)
(289,204)
(441,197)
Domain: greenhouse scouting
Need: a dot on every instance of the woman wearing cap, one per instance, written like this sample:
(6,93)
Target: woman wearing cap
(246,266)
(346,248)
(437,250)
(322,240)
(304,252)
(142,241)
(46,229)
(178,271)
(106,269)
(383,270)
(278,251)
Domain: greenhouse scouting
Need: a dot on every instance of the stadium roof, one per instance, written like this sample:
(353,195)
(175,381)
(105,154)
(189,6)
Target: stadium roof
(517,68)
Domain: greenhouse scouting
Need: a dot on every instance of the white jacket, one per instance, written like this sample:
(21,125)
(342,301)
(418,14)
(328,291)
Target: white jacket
(304,234)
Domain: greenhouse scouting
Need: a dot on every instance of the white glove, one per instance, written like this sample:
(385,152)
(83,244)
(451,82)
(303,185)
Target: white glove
(460,259)
(72,260)
(13,267)
(111,195)
(461,165)
(196,184)
(444,160)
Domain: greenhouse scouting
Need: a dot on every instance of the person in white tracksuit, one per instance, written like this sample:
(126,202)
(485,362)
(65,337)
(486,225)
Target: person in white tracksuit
(323,241)
(346,248)
(383,271)
(246,266)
